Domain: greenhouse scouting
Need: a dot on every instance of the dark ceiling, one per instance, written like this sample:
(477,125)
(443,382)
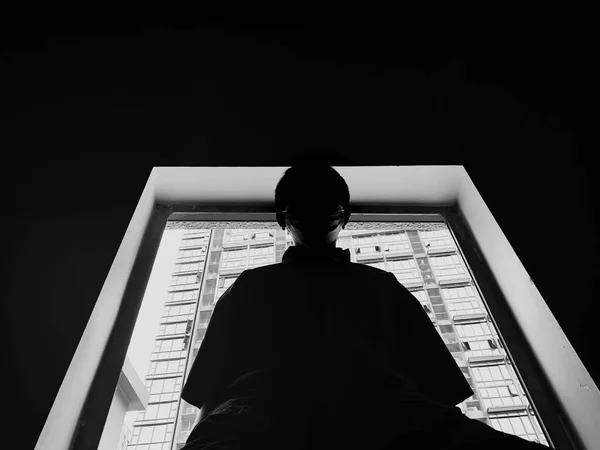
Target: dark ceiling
(89,109)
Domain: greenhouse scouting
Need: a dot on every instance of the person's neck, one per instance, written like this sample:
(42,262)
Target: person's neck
(318,249)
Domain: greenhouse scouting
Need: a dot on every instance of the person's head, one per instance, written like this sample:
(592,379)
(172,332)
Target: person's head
(312,201)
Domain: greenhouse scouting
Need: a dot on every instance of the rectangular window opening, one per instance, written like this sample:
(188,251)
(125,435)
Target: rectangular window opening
(195,266)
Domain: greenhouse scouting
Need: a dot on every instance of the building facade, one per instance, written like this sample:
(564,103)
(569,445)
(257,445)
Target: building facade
(426,262)
(130,396)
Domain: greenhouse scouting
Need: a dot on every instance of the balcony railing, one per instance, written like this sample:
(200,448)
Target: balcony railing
(492,359)
(516,408)
(459,280)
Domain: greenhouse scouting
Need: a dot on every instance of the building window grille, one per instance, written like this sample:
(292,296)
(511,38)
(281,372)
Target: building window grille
(448,269)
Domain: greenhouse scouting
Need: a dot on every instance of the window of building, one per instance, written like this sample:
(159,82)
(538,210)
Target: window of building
(146,435)
(162,367)
(156,386)
(234,254)
(233,264)
(239,264)
(473,329)
(170,384)
(171,328)
(480,337)
(422,297)
(462,300)
(196,233)
(184,279)
(491,375)
(236,236)
(205,316)
(152,435)
(517,423)
(499,396)
(405,270)
(186,423)
(395,242)
(173,366)
(258,262)
(163,389)
(178,313)
(262,251)
(262,235)
(191,255)
(182,295)
(437,240)
(366,244)
(151,411)
(158,411)
(448,269)
(164,410)
(402,265)
(168,345)
(188,267)
(260,256)
(194,242)
(446,328)
(200,333)
(225,282)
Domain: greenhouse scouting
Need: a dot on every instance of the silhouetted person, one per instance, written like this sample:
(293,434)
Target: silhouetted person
(318,352)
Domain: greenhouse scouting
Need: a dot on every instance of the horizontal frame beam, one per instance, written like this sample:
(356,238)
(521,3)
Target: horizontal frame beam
(258,213)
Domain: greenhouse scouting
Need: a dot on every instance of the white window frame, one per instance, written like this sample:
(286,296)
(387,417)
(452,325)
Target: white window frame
(397,188)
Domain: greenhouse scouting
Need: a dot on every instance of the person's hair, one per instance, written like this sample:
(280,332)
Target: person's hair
(316,180)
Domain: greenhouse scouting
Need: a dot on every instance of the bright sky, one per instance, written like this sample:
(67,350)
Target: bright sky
(146,326)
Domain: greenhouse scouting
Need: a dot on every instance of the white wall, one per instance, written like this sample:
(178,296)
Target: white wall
(568,376)
(62,421)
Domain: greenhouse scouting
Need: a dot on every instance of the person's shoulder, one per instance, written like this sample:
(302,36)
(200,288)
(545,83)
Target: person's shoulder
(270,268)
(364,271)
(256,274)
(346,264)
(355,269)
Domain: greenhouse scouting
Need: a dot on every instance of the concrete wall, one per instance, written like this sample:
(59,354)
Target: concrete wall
(114,422)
